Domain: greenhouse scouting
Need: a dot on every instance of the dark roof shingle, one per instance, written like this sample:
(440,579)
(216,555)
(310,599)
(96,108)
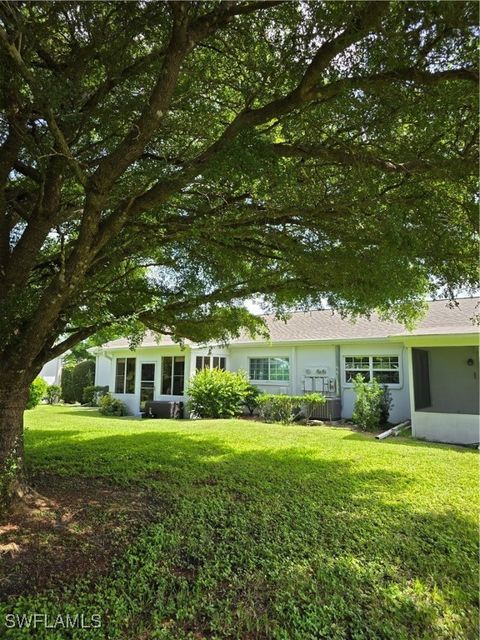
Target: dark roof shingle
(325,324)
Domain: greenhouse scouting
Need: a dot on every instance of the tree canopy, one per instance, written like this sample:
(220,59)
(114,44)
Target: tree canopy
(161,162)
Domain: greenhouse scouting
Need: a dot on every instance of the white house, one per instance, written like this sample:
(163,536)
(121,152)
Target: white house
(432,372)
(52,371)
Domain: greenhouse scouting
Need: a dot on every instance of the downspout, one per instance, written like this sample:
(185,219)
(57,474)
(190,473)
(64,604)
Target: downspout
(337,374)
(394,431)
(293,381)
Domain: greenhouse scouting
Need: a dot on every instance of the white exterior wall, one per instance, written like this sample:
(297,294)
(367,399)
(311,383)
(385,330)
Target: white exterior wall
(324,356)
(313,357)
(433,424)
(456,428)
(400,392)
(240,361)
(205,351)
(52,371)
(300,357)
(105,372)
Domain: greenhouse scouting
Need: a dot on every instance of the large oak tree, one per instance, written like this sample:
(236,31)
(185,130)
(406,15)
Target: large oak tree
(161,162)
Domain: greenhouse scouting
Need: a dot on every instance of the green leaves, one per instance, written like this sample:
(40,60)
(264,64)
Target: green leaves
(301,152)
(278,407)
(214,393)
(38,391)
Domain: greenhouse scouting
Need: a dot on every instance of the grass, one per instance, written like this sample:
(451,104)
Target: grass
(264,531)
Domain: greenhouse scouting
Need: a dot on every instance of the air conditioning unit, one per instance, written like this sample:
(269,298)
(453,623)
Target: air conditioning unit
(331,410)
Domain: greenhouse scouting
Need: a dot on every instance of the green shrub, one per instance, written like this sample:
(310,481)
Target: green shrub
(215,393)
(110,406)
(372,404)
(251,399)
(54,393)
(37,391)
(311,402)
(92,394)
(67,384)
(285,409)
(83,376)
(75,378)
(278,407)
(386,404)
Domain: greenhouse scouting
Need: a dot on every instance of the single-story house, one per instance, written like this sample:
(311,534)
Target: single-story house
(432,371)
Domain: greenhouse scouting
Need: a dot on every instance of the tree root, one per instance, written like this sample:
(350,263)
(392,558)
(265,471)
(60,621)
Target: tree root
(24,498)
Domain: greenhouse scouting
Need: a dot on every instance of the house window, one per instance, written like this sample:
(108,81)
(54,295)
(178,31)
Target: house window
(210,362)
(125,375)
(173,375)
(270,369)
(384,369)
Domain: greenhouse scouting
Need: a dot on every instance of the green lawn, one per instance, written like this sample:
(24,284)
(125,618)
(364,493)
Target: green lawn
(266,531)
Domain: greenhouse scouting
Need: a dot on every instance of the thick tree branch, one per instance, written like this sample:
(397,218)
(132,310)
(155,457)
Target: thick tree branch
(30,78)
(409,74)
(27,171)
(73,339)
(362,157)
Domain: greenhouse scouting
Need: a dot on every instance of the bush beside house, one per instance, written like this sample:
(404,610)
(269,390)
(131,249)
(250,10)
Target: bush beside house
(83,376)
(215,393)
(92,395)
(372,404)
(75,378)
(283,408)
(66,384)
(110,406)
(251,399)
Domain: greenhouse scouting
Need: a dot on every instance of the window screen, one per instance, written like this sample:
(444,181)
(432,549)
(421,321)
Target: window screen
(210,362)
(270,369)
(385,369)
(125,375)
(173,375)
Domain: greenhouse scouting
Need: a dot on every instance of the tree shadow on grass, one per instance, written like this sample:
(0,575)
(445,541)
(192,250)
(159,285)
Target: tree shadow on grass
(263,540)
(88,412)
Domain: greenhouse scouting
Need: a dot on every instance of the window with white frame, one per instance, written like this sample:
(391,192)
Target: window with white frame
(210,362)
(125,375)
(384,369)
(269,369)
(173,375)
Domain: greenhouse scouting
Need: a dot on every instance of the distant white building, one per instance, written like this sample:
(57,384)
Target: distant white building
(432,372)
(52,371)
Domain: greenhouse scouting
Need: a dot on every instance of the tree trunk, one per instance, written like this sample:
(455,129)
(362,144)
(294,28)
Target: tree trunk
(12,478)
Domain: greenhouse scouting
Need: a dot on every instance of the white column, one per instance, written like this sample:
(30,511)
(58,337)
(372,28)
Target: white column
(411,393)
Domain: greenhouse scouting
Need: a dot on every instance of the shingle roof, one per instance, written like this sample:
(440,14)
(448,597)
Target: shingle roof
(325,324)
(151,339)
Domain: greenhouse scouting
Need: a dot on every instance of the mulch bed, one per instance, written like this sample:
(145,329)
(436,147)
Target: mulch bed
(74,527)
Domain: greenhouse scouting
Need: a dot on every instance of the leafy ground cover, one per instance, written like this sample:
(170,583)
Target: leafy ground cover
(238,529)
